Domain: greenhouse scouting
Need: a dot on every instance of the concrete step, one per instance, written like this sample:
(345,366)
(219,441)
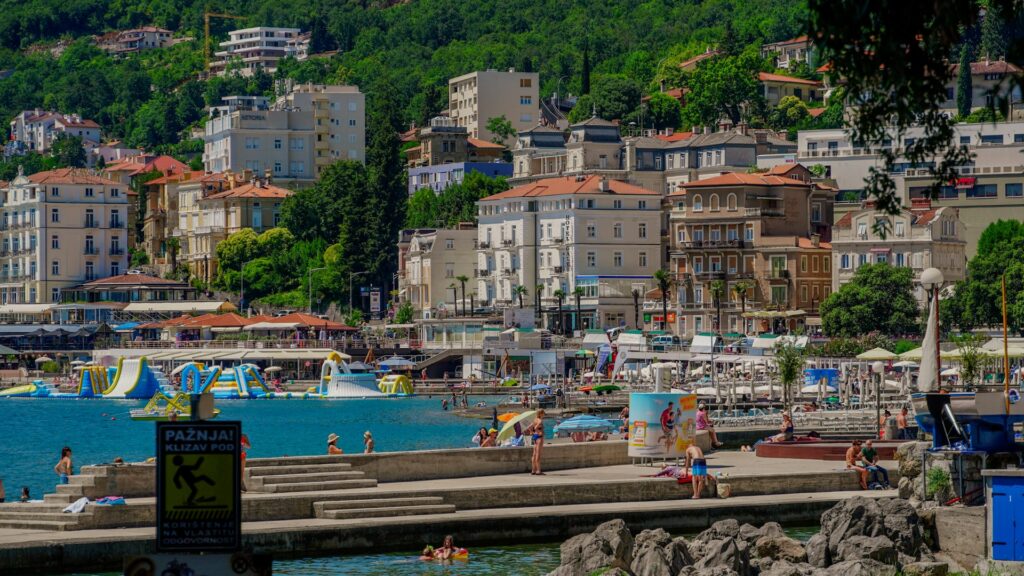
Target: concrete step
(321,507)
(55,516)
(320,486)
(37,525)
(64,499)
(83,479)
(294,461)
(73,489)
(389,511)
(313,477)
(275,470)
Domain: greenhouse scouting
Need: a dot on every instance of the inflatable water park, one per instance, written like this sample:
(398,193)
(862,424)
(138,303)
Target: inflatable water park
(137,379)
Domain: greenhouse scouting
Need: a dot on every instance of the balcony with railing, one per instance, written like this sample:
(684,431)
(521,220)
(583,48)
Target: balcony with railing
(90,223)
(765,212)
(116,223)
(707,244)
(779,274)
(482,273)
(114,251)
(484,246)
(90,251)
(705,275)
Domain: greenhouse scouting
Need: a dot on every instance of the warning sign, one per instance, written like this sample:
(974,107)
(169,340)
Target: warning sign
(198,486)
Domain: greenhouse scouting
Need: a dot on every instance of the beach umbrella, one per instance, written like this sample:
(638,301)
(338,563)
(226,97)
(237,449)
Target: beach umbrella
(509,429)
(905,364)
(397,362)
(272,369)
(507,416)
(876,354)
(42,359)
(813,389)
(951,372)
(914,354)
(540,387)
(584,353)
(77,362)
(706,391)
(585,423)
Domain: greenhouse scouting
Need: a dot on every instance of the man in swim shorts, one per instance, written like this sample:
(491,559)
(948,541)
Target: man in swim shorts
(695,456)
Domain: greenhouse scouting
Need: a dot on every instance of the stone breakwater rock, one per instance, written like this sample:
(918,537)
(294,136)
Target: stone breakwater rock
(894,519)
(655,553)
(909,456)
(859,537)
(609,546)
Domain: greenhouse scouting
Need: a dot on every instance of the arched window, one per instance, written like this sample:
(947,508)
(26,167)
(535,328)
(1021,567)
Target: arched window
(698,203)
(730,202)
(715,206)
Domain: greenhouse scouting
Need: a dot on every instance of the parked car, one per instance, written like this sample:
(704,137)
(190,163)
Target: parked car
(665,342)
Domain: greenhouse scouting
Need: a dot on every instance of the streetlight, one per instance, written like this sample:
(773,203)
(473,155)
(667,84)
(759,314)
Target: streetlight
(931,280)
(309,281)
(352,275)
(879,369)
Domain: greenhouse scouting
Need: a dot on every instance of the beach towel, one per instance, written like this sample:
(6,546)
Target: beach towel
(77,506)
(111,501)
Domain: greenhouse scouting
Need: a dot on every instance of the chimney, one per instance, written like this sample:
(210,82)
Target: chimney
(816,240)
(268,175)
(706,129)
(603,185)
(742,128)
(760,137)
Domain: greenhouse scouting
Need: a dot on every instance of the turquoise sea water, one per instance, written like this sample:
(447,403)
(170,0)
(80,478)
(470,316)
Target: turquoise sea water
(32,431)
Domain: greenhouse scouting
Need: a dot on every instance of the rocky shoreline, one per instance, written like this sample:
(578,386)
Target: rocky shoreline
(859,537)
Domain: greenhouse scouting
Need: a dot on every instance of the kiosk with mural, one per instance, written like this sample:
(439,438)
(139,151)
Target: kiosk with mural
(661,425)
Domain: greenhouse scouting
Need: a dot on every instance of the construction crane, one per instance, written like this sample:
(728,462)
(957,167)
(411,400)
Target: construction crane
(206,30)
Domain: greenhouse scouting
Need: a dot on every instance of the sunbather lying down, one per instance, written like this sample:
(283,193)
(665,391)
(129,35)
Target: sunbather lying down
(667,472)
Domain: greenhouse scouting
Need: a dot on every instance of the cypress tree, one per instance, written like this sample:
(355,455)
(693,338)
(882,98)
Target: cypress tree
(964,87)
(585,76)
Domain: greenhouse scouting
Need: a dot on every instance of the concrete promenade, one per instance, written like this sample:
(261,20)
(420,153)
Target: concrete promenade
(490,509)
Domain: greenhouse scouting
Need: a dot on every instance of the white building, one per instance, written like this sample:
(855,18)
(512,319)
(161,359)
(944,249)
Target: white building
(35,130)
(60,228)
(134,40)
(475,98)
(254,49)
(293,140)
(433,263)
(603,236)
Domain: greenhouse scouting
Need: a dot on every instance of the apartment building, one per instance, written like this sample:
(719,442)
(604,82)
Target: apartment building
(433,262)
(294,139)
(988,189)
(446,153)
(134,40)
(60,228)
(251,49)
(35,130)
(769,231)
(190,227)
(788,53)
(775,87)
(596,147)
(243,203)
(918,238)
(475,98)
(588,232)
(988,77)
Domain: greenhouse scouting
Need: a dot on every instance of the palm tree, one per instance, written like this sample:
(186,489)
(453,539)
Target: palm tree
(538,290)
(664,281)
(578,293)
(636,307)
(740,289)
(462,279)
(717,291)
(560,296)
(173,245)
(520,292)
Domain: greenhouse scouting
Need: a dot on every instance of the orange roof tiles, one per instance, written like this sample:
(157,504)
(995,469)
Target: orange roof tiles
(845,222)
(815,112)
(743,179)
(70,176)
(675,136)
(250,190)
(769,77)
(698,58)
(310,321)
(135,280)
(478,143)
(806,243)
(569,185)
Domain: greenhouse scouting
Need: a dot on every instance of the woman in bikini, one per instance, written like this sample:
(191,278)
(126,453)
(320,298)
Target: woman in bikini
(64,468)
(537,435)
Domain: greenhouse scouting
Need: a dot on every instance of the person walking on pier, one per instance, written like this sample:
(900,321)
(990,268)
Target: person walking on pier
(537,435)
(695,460)
(64,467)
